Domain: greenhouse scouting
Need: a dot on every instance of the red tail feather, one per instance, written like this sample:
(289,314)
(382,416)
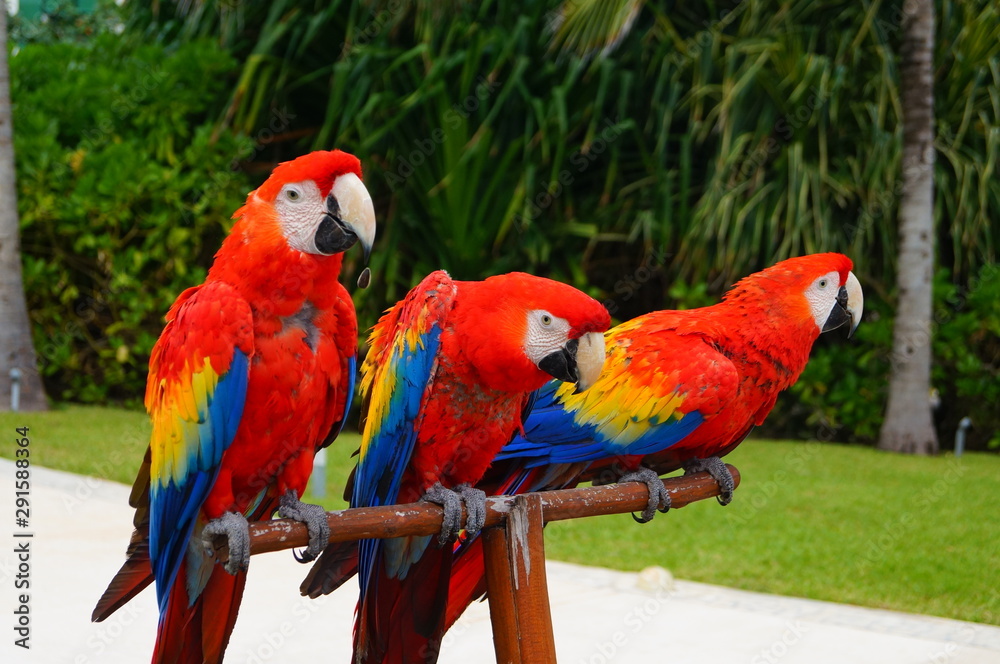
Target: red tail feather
(337,564)
(130,580)
(406,616)
(468,581)
(188,633)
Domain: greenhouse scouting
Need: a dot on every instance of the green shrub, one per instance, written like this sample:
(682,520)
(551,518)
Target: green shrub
(124,194)
(845,384)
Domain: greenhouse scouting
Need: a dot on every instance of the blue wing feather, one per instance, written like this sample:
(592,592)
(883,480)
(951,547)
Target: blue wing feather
(399,370)
(352,380)
(553,434)
(175,506)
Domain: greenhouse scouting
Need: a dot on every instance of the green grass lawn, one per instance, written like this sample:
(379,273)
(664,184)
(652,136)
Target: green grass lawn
(845,524)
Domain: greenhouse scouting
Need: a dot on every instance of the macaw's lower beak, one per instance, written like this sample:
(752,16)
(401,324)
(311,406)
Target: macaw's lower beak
(349,218)
(849,308)
(580,361)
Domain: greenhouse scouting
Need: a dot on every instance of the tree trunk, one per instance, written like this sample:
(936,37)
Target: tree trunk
(908,425)
(16,348)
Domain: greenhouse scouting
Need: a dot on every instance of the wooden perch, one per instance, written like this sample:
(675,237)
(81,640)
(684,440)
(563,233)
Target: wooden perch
(425,518)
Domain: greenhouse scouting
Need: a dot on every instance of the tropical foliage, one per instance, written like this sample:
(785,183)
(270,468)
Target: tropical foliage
(652,161)
(124,191)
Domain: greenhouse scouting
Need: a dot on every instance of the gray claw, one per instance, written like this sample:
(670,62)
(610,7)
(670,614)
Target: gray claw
(659,497)
(717,469)
(451,501)
(314,516)
(237,531)
(475,506)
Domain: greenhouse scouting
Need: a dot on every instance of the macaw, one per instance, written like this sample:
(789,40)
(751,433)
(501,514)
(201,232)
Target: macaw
(449,373)
(253,373)
(679,389)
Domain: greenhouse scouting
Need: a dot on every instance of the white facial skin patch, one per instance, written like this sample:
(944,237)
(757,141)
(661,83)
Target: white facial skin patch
(300,207)
(545,335)
(822,295)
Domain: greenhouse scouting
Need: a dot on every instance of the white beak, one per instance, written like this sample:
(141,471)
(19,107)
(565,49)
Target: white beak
(356,209)
(589,360)
(855,301)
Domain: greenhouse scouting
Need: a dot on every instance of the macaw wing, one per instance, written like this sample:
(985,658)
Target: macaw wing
(347,384)
(658,386)
(195,395)
(398,370)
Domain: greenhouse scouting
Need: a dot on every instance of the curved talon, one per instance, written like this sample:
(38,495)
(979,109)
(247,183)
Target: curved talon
(659,497)
(314,517)
(237,532)
(475,506)
(451,501)
(451,524)
(715,467)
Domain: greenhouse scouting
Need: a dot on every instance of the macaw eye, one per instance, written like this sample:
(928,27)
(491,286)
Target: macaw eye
(292,194)
(546,320)
(822,283)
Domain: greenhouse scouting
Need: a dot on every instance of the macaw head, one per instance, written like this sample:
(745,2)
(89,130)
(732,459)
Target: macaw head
(820,287)
(520,331)
(316,204)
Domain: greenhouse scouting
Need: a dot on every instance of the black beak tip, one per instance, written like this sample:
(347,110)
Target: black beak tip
(839,316)
(333,236)
(560,365)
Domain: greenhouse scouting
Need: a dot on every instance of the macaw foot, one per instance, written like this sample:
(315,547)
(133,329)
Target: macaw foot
(659,497)
(314,516)
(717,469)
(237,532)
(451,501)
(475,507)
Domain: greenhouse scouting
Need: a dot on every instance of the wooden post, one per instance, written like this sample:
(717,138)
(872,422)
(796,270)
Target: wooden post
(500,590)
(515,571)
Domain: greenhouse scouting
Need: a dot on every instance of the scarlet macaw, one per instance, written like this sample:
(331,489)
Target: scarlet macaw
(679,389)
(448,376)
(253,373)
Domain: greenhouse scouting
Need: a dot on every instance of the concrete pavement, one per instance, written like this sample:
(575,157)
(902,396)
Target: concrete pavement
(81,526)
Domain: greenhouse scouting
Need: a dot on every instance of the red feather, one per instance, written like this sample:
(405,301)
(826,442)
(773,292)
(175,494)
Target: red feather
(470,405)
(303,339)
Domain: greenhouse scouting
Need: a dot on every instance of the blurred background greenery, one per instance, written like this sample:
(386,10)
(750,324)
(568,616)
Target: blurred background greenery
(707,141)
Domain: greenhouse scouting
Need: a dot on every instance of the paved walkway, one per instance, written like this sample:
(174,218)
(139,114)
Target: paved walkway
(81,526)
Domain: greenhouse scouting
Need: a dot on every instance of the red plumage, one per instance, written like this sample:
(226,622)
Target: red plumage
(678,386)
(283,311)
(448,375)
